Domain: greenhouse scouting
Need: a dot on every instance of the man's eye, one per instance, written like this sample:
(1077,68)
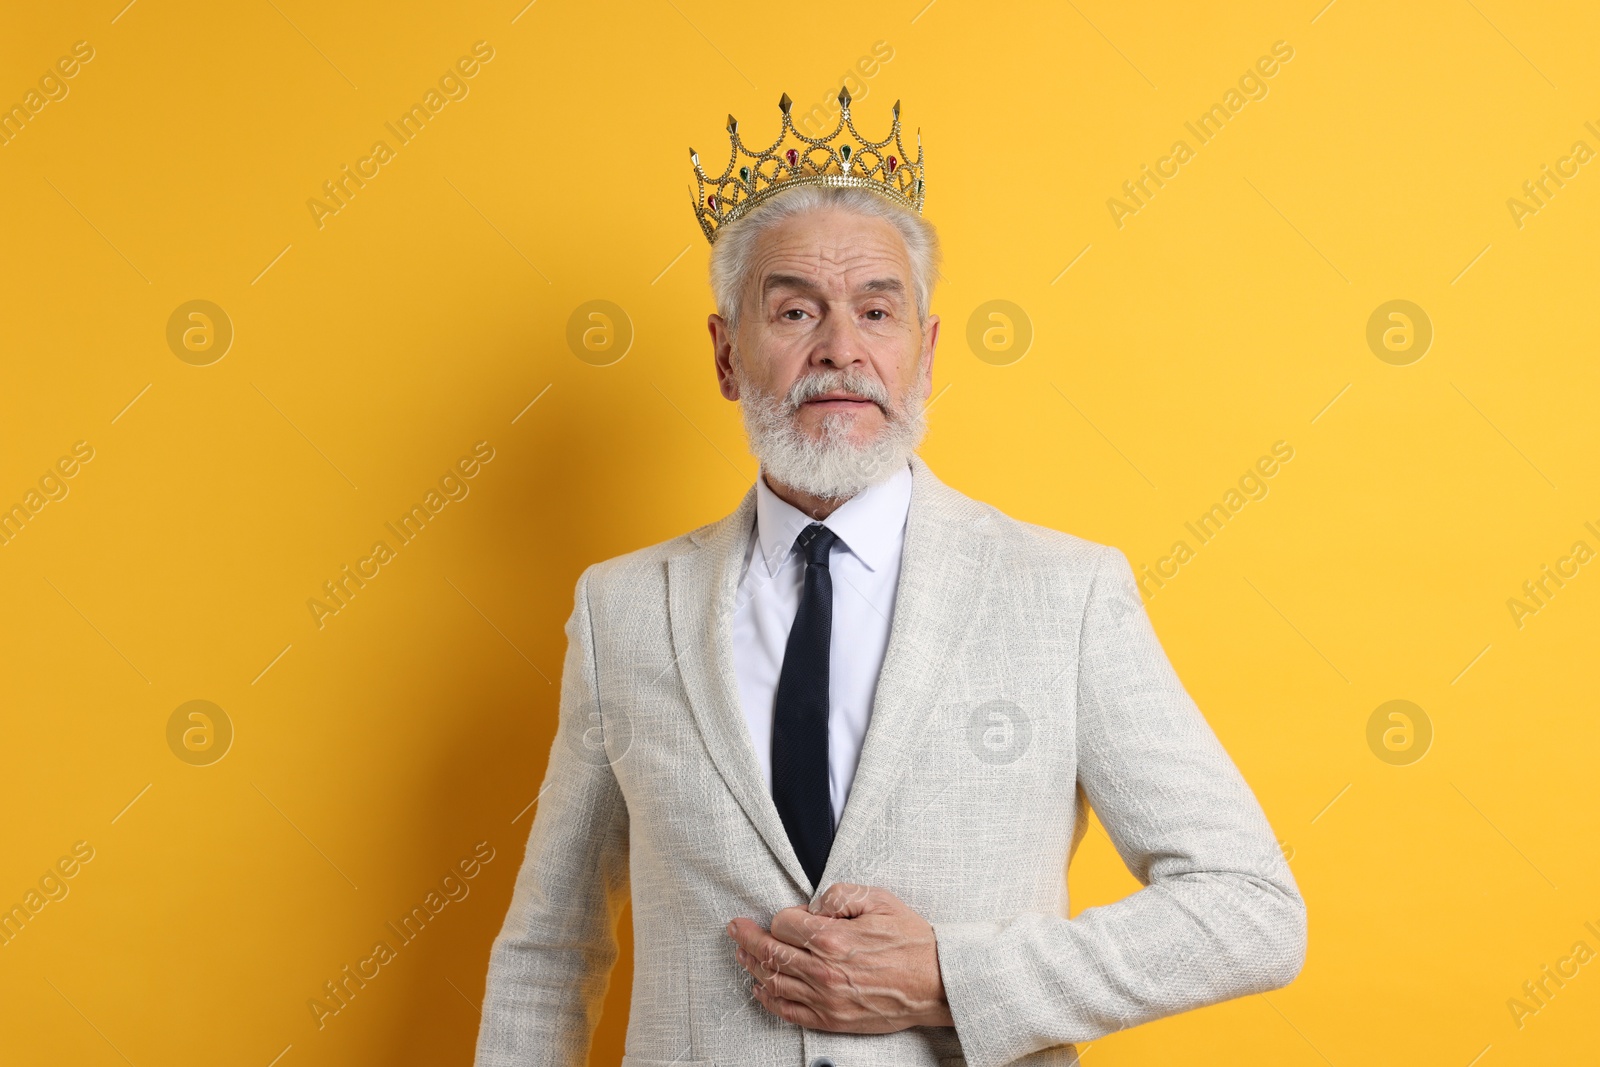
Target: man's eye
(793,312)
(879,312)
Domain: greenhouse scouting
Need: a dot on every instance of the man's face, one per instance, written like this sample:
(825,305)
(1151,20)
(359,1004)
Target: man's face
(830,291)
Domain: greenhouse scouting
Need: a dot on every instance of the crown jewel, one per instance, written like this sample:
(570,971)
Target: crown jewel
(752,176)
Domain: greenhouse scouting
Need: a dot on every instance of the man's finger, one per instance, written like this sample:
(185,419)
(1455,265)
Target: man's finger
(773,954)
(845,900)
(798,927)
(758,971)
(785,987)
(789,1010)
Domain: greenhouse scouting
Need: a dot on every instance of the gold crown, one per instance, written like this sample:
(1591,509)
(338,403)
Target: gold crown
(746,182)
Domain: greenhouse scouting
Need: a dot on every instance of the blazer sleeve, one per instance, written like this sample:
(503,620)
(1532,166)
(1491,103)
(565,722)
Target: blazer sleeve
(1219,915)
(551,963)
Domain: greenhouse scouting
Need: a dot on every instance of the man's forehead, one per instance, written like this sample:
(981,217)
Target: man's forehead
(850,254)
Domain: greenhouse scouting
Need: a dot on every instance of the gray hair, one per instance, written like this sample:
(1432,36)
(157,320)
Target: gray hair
(735,247)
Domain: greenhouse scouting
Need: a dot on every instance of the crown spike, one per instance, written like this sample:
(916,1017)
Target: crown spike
(694,157)
(896,110)
(784,103)
(844,97)
(733,124)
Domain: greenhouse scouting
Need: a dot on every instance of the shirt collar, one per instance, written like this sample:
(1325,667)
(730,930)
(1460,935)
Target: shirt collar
(870,524)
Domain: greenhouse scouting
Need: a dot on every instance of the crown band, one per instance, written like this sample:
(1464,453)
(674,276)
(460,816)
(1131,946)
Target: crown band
(816,161)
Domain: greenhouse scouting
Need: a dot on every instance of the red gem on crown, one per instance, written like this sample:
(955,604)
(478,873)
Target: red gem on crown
(893,163)
(711,202)
(793,157)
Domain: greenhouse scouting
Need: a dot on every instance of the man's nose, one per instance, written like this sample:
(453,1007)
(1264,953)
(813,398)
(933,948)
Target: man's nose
(838,343)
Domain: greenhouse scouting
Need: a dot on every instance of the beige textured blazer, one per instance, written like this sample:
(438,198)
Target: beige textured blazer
(1022,684)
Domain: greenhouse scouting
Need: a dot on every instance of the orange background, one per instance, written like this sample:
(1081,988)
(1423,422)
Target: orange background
(369,756)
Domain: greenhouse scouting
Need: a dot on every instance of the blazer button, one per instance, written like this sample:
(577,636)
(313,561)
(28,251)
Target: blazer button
(823,1061)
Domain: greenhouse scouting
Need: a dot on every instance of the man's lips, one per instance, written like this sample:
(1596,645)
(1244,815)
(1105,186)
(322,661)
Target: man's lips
(839,399)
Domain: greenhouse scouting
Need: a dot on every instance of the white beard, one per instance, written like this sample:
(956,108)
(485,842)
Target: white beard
(831,466)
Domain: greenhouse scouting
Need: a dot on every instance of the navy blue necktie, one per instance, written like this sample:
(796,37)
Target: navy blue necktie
(800,722)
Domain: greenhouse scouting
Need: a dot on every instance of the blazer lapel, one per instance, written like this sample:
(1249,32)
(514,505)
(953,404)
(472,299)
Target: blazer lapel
(944,571)
(702,585)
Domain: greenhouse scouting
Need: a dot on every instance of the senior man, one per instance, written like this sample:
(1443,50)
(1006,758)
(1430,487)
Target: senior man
(841,744)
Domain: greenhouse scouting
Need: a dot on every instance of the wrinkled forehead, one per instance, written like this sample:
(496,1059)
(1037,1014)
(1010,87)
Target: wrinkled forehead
(834,252)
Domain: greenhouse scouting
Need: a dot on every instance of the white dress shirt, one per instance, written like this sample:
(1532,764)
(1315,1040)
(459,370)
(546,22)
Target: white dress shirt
(865,568)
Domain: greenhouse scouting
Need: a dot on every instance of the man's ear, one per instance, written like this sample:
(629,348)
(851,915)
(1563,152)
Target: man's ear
(930,344)
(722,356)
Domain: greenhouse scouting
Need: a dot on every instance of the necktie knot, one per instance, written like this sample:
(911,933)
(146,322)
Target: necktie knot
(815,542)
